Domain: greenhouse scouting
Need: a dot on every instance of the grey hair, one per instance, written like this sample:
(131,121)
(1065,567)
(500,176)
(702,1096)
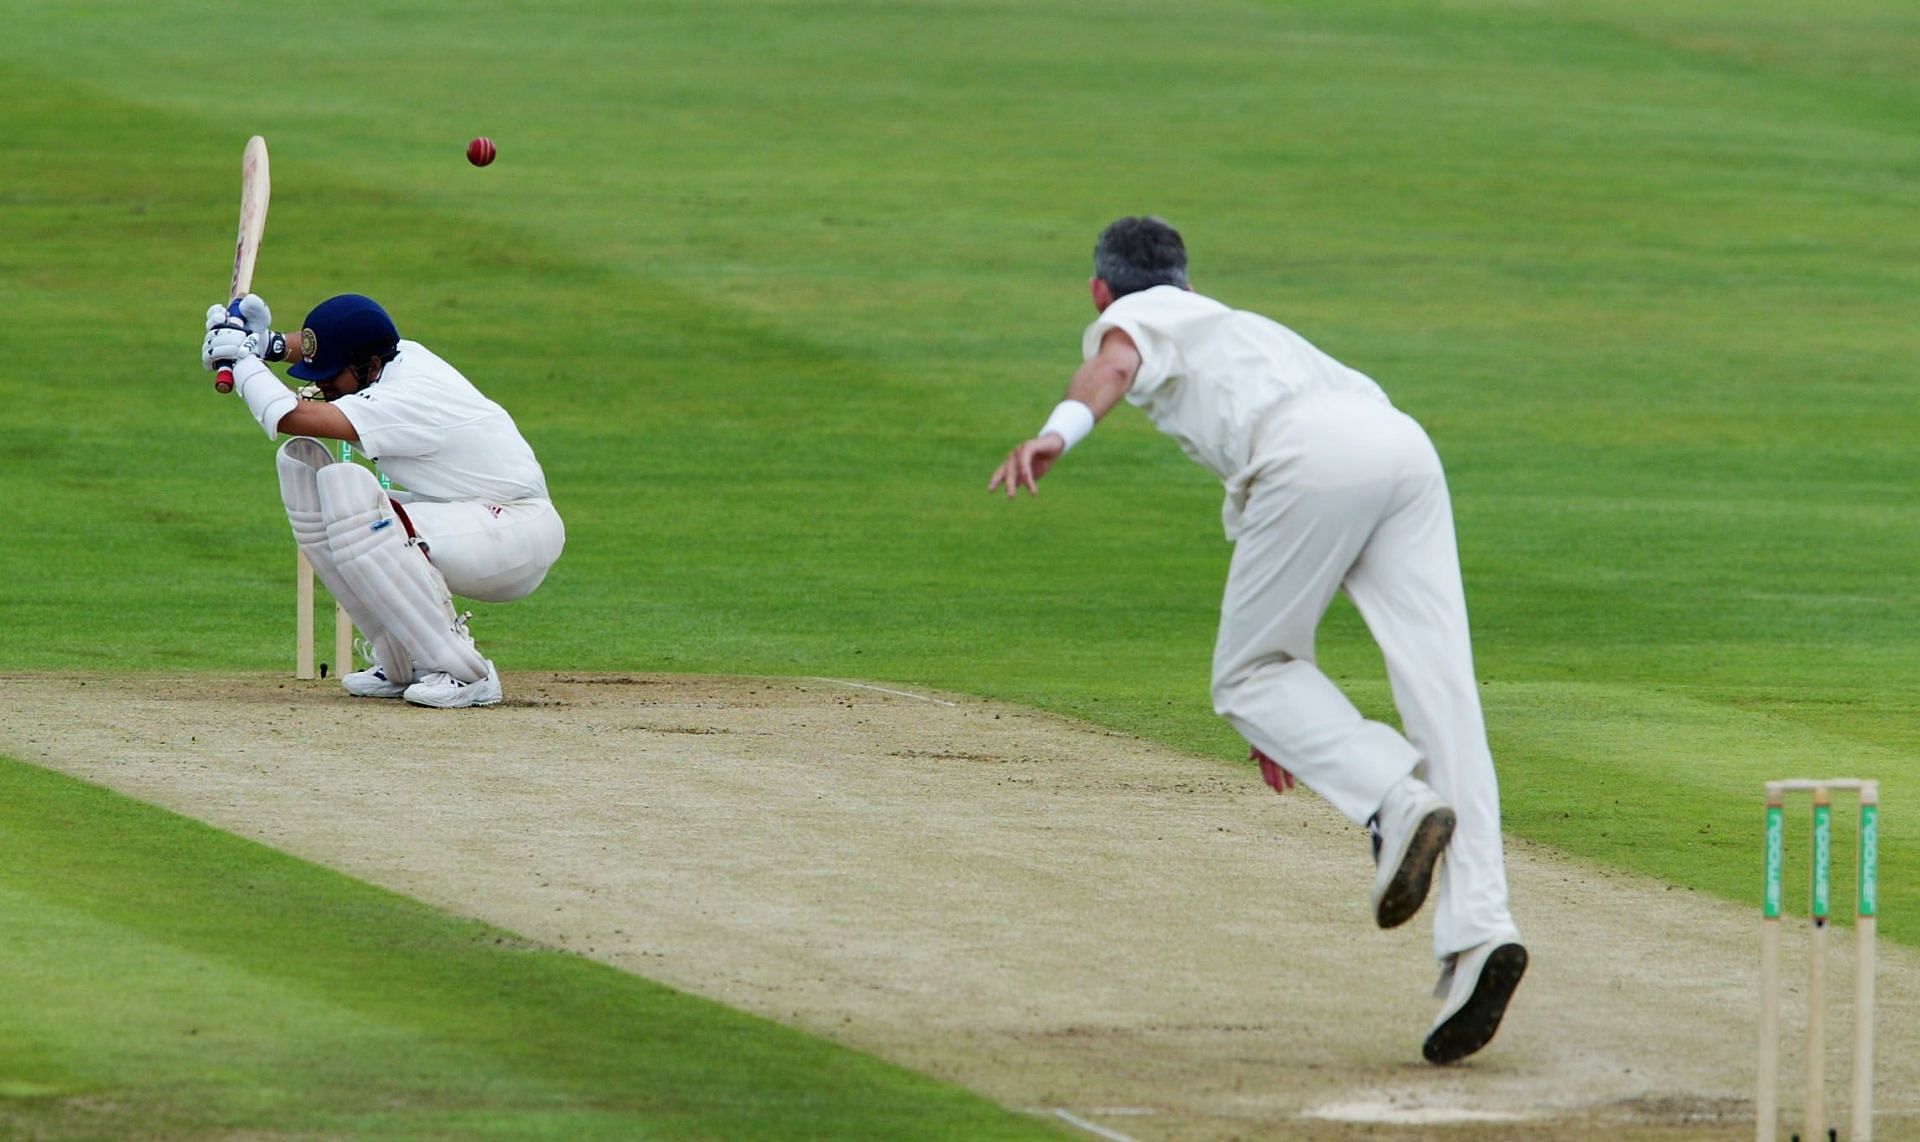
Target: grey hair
(1139,252)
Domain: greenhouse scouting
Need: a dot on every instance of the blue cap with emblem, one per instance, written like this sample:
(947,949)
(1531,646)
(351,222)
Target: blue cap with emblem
(344,330)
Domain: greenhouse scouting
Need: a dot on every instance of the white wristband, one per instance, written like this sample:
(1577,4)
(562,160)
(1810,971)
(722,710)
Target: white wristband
(1071,419)
(266,397)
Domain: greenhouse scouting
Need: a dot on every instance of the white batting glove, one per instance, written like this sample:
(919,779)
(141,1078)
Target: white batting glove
(255,314)
(224,346)
(266,345)
(219,318)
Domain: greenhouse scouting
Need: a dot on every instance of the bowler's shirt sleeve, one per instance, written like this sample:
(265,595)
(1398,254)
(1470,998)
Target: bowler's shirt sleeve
(1139,317)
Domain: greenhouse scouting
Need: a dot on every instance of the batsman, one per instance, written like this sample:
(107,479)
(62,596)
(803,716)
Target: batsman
(470,514)
(1328,488)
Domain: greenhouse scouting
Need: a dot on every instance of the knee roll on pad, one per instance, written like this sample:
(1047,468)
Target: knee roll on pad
(404,595)
(300,461)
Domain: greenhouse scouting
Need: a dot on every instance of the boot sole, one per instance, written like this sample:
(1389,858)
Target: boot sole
(454,705)
(1413,879)
(1473,1026)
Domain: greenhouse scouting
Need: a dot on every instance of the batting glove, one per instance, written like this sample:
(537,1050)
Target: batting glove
(255,314)
(224,346)
(219,318)
(266,345)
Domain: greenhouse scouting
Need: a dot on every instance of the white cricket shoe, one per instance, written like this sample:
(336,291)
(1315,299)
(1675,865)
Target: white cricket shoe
(1476,984)
(446,692)
(371,683)
(1413,828)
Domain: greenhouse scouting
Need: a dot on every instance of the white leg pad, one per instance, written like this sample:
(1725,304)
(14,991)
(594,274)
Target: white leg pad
(300,461)
(404,594)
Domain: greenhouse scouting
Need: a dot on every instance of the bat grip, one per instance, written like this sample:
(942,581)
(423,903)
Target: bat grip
(223,380)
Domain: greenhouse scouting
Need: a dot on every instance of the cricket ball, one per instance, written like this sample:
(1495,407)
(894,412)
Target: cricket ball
(480,152)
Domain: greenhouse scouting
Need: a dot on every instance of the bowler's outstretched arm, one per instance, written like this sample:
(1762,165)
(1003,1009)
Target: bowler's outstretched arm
(1098,383)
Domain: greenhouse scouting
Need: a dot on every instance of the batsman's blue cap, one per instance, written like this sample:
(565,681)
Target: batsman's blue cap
(342,331)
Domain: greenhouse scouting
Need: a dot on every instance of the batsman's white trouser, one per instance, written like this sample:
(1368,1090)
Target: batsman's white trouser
(1347,492)
(492,552)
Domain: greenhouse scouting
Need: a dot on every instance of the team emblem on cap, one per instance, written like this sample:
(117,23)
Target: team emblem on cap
(309,344)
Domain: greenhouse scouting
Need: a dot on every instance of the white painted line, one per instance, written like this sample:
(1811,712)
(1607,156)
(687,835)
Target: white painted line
(1094,1129)
(884,690)
(1393,1111)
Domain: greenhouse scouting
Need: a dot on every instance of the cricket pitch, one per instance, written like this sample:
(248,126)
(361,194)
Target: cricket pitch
(1070,921)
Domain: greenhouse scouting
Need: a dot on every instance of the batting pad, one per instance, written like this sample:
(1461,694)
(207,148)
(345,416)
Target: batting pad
(300,461)
(404,594)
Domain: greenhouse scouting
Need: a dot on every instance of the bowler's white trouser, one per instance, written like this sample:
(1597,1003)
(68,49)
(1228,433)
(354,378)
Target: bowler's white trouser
(1346,491)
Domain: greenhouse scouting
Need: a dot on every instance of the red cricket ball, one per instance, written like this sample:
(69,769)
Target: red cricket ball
(480,152)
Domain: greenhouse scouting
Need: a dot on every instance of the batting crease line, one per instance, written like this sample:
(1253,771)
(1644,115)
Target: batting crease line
(1091,1128)
(884,690)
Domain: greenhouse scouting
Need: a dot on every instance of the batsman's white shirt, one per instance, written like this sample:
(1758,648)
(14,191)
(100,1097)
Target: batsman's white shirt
(438,437)
(478,495)
(1329,488)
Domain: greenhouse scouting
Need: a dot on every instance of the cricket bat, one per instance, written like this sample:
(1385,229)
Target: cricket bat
(255,185)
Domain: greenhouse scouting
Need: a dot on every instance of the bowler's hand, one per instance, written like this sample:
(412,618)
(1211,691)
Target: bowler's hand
(1027,463)
(1280,779)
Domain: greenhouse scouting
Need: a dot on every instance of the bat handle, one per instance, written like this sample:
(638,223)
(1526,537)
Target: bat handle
(223,380)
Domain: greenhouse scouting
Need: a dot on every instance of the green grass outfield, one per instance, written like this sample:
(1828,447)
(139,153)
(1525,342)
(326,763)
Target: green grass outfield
(772,286)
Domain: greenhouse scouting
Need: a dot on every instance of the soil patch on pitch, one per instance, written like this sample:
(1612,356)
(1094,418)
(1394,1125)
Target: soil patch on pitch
(1070,921)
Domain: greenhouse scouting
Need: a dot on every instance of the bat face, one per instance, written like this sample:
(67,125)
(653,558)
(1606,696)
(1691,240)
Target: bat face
(255,188)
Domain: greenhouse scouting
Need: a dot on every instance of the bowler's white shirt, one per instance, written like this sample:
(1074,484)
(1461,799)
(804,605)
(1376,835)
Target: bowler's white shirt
(1208,374)
(436,436)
